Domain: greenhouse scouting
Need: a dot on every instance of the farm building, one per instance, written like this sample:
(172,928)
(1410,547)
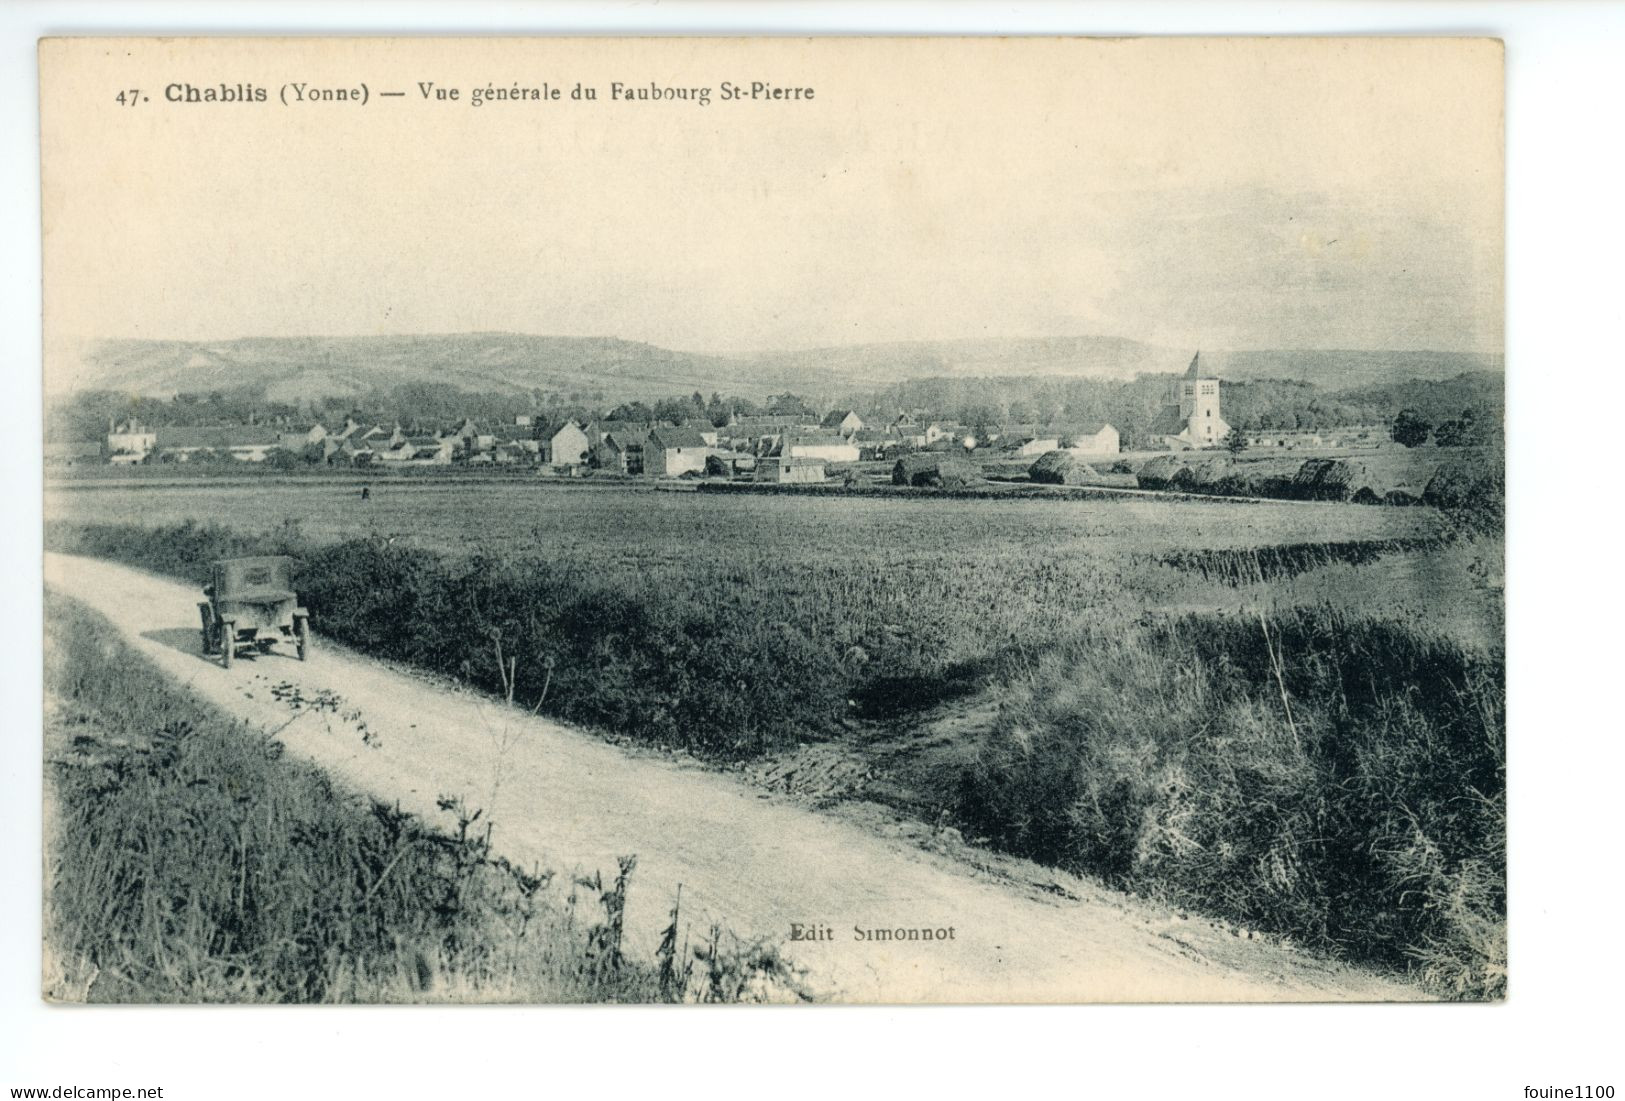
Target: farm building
(432,450)
(349,451)
(129,443)
(1096,438)
(843,422)
(708,431)
(729,464)
(298,438)
(618,445)
(874,443)
(1191,419)
(791,470)
(249,444)
(936,470)
(472,439)
(833,449)
(670,452)
(569,446)
(1061,468)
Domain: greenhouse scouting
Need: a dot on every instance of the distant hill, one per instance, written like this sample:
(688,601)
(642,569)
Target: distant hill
(291,369)
(304,368)
(1103,357)
(1351,370)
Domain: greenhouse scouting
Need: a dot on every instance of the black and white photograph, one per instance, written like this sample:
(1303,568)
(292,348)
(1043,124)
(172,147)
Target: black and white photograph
(797,521)
(810,550)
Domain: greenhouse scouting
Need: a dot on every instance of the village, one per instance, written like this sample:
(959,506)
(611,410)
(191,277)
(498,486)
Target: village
(795,448)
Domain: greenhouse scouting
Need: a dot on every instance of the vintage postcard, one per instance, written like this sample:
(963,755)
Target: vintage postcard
(773,520)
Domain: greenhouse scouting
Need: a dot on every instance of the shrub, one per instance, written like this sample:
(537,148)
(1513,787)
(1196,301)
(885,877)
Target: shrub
(1337,779)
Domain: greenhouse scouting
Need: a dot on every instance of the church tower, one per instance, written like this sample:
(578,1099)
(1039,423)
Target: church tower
(1192,418)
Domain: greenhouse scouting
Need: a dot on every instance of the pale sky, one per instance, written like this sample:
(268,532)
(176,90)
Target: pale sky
(1222,194)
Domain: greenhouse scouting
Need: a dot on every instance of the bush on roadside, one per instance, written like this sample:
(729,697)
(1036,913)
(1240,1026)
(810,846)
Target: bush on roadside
(1338,780)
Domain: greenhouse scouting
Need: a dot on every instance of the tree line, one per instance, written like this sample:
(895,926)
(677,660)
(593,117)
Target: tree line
(1132,406)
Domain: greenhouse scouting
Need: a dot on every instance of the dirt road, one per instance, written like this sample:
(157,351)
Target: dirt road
(566,800)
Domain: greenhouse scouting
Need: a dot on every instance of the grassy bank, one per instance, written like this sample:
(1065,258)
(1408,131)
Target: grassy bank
(1336,779)
(189,861)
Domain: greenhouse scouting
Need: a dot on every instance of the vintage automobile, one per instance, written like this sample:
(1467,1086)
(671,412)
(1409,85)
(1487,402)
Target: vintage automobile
(252,604)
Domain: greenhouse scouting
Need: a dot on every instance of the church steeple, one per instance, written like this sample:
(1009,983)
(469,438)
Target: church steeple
(1194,370)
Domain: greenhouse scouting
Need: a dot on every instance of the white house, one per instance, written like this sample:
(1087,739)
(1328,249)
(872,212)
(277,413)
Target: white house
(669,452)
(250,444)
(832,449)
(568,447)
(844,422)
(792,470)
(298,438)
(129,443)
(1098,438)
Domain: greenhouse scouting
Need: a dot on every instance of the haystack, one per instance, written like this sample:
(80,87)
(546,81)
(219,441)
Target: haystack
(934,470)
(1216,476)
(1061,468)
(1306,483)
(1159,472)
(1451,487)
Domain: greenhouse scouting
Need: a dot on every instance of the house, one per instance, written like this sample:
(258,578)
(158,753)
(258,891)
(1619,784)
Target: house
(432,450)
(569,446)
(908,430)
(1191,419)
(129,443)
(610,454)
(708,431)
(349,451)
(760,434)
(618,445)
(830,448)
(73,453)
(393,452)
(251,443)
(1094,438)
(671,451)
(791,470)
(874,443)
(376,436)
(513,452)
(843,422)
(472,439)
(298,438)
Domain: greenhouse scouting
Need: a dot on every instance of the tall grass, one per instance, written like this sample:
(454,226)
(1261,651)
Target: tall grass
(191,862)
(1337,779)
(727,657)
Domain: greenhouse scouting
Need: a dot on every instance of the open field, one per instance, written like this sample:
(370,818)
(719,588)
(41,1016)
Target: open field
(609,523)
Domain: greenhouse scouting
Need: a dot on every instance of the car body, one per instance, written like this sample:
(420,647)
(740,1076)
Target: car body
(252,604)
